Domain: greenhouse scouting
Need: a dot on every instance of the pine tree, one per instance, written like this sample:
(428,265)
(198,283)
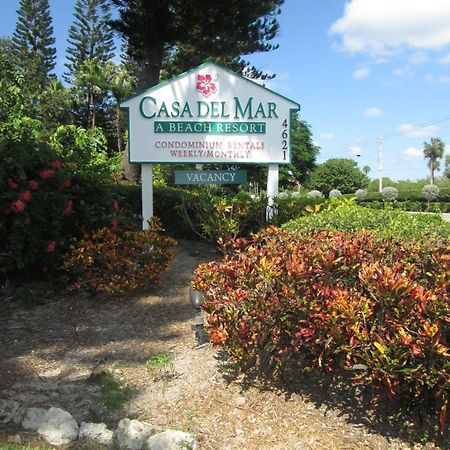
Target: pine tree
(33,43)
(90,36)
(91,46)
(188,32)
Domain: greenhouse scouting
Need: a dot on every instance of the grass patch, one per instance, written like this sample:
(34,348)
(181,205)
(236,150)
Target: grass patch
(115,393)
(159,361)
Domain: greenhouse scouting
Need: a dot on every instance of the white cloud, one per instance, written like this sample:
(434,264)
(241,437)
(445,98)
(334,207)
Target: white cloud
(385,27)
(327,135)
(359,74)
(354,150)
(413,152)
(372,112)
(445,59)
(437,80)
(418,58)
(414,132)
(403,72)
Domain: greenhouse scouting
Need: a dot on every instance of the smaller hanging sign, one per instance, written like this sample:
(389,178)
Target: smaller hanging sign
(210,176)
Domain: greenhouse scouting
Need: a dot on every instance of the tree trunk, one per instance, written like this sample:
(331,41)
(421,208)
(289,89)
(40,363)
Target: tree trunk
(150,67)
(118,130)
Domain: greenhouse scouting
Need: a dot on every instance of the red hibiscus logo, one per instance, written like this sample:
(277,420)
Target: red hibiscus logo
(205,85)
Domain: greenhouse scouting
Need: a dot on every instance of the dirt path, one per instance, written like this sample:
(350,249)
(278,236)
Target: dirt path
(54,354)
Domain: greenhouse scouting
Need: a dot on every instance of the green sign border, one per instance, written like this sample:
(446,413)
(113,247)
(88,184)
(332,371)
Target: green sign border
(156,86)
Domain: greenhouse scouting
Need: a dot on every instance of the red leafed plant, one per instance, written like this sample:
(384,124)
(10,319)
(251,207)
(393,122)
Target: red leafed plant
(336,302)
(119,259)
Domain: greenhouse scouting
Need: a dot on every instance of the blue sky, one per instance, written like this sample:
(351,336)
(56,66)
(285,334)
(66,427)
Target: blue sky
(361,70)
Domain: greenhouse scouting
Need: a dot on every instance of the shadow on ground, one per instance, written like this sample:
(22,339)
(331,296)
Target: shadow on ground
(358,404)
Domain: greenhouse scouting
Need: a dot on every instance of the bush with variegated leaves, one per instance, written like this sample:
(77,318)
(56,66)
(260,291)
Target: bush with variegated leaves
(336,302)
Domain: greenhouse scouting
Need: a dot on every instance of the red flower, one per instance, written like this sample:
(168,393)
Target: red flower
(51,247)
(18,206)
(26,221)
(116,205)
(66,183)
(25,196)
(114,224)
(33,185)
(86,235)
(68,209)
(12,184)
(89,274)
(57,164)
(47,173)
(205,84)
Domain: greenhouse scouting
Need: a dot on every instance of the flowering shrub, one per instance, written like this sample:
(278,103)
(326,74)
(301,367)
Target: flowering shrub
(336,302)
(361,194)
(45,202)
(335,193)
(389,194)
(314,194)
(430,192)
(118,260)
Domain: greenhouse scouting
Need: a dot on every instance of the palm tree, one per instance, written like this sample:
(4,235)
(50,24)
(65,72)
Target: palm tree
(366,170)
(433,152)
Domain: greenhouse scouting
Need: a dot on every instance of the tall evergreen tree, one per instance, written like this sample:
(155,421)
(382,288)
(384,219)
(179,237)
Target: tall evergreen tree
(90,48)
(33,43)
(187,32)
(90,36)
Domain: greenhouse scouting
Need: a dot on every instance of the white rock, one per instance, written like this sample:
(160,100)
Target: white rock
(97,433)
(33,418)
(8,408)
(171,440)
(58,427)
(132,434)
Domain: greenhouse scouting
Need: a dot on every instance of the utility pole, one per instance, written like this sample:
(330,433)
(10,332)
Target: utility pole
(380,163)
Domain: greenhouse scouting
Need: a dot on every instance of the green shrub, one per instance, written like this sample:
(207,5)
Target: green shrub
(119,260)
(336,302)
(46,201)
(389,194)
(335,193)
(215,214)
(430,192)
(314,194)
(385,223)
(361,194)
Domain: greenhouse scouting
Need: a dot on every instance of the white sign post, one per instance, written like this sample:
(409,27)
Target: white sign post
(209,115)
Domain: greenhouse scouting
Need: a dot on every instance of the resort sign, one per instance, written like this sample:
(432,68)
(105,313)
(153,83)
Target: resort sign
(209,115)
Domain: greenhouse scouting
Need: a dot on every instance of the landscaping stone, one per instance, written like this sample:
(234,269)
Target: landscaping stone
(33,418)
(97,433)
(171,440)
(58,427)
(132,434)
(8,408)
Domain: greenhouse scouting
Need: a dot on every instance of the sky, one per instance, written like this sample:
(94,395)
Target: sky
(371,76)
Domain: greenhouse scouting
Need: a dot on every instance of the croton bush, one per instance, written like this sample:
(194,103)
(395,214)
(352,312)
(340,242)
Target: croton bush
(115,260)
(337,302)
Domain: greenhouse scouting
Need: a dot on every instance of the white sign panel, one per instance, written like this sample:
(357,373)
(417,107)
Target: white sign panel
(209,115)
